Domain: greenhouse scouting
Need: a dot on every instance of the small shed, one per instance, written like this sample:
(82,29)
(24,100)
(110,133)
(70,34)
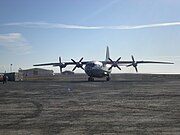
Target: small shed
(14,76)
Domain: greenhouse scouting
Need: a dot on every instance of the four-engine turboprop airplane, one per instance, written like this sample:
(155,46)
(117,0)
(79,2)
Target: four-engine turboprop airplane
(98,69)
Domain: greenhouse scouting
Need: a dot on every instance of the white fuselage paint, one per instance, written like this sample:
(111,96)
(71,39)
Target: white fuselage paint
(97,69)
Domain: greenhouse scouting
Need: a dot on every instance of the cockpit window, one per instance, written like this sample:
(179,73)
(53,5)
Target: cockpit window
(91,64)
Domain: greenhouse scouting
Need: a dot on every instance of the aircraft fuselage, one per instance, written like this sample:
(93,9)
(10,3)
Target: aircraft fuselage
(97,69)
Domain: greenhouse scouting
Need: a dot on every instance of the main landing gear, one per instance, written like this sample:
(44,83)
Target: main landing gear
(90,79)
(108,78)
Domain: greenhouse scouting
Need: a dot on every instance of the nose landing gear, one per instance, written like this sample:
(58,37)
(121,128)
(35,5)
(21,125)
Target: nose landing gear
(108,78)
(90,79)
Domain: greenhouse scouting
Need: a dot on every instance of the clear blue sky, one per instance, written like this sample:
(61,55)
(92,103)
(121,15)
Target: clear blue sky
(39,31)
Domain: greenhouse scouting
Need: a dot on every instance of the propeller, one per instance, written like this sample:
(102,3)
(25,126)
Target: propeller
(78,64)
(114,64)
(61,65)
(134,64)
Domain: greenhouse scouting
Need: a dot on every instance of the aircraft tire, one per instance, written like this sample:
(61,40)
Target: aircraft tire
(108,78)
(90,79)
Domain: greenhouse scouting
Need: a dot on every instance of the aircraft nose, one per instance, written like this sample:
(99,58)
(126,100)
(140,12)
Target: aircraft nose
(88,67)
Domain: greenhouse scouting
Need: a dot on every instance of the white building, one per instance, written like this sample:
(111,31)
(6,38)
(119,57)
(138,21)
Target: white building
(36,72)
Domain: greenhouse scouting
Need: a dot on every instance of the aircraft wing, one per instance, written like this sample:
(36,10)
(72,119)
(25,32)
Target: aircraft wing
(58,64)
(104,62)
(155,62)
(61,65)
(64,64)
(133,63)
(116,63)
(138,62)
(47,64)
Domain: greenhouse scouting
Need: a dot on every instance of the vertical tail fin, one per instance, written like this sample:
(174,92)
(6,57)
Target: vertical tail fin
(107,54)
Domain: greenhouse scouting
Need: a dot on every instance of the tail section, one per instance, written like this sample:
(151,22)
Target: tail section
(107,54)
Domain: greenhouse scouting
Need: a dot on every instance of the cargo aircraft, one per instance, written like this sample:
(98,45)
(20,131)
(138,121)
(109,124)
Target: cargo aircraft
(99,69)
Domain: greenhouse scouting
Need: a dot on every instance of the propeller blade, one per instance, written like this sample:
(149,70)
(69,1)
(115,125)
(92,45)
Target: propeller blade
(118,59)
(81,59)
(82,68)
(60,69)
(74,68)
(136,68)
(59,59)
(110,67)
(111,60)
(129,65)
(118,67)
(73,61)
(132,58)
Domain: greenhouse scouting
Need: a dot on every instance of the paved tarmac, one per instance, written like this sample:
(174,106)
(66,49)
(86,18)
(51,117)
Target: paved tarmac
(130,104)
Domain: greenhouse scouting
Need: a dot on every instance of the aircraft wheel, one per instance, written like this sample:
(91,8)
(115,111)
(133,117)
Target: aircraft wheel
(90,79)
(108,78)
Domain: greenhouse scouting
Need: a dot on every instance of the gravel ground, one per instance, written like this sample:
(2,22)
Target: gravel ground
(130,104)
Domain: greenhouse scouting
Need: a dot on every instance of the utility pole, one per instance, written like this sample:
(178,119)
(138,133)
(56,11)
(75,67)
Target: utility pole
(11,68)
